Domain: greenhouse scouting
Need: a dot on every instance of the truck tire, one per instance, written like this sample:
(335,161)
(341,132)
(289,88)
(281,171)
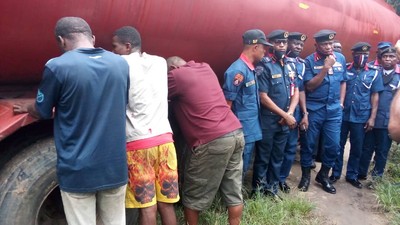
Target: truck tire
(29,191)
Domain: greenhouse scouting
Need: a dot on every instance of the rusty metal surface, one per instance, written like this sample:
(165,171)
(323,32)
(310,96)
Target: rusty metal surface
(9,122)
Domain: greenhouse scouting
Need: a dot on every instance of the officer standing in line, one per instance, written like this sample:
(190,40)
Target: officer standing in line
(378,140)
(337,47)
(380,47)
(241,90)
(295,47)
(279,97)
(363,85)
(324,81)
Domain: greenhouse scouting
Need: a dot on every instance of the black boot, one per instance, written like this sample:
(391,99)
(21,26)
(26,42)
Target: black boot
(305,179)
(323,179)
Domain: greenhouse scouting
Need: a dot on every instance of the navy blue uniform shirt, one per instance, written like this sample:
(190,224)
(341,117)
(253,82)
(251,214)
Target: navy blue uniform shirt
(276,81)
(359,87)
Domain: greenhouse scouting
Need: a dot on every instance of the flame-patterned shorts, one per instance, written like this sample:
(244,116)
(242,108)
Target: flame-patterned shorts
(153,176)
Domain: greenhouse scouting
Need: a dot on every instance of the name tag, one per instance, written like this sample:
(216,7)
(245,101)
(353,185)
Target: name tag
(318,67)
(250,83)
(350,74)
(276,76)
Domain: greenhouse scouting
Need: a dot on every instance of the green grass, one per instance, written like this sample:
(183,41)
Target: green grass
(261,211)
(388,189)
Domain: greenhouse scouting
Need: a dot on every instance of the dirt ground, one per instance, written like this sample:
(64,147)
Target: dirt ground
(349,206)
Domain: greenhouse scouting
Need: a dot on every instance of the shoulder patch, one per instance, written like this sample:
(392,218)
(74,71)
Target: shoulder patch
(259,70)
(300,60)
(238,79)
(371,66)
(39,97)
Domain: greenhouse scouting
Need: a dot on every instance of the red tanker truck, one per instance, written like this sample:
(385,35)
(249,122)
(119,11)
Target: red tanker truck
(203,30)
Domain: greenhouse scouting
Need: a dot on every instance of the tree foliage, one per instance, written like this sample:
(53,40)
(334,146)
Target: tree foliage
(395,4)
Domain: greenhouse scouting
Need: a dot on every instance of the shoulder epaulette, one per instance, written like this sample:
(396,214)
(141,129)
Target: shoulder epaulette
(266,59)
(372,67)
(290,60)
(300,60)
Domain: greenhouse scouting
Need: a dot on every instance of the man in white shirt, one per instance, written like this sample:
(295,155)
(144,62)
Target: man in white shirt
(152,164)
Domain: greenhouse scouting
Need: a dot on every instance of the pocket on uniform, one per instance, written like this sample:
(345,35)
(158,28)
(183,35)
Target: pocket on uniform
(277,86)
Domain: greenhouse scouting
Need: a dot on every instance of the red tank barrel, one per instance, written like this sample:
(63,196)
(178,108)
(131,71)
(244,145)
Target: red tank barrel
(206,30)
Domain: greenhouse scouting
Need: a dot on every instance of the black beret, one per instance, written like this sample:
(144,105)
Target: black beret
(388,50)
(278,34)
(297,36)
(255,36)
(324,35)
(361,46)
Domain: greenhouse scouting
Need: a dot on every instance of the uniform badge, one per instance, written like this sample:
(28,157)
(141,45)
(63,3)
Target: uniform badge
(276,76)
(291,74)
(39,97)
(286,34)
(365,48)
(303,37)
(331,36)
(238,79)
(255,41)
(318,67)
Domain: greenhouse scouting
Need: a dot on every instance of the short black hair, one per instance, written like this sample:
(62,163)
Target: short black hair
(67,26)
(128,34)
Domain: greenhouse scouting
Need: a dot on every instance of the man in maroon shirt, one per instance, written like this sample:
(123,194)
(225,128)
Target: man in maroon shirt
(214,135)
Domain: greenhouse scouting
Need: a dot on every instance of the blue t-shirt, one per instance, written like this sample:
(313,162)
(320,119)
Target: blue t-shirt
(89,90)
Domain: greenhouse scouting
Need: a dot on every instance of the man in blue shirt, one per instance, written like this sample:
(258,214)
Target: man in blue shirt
(324,81)
(380,47)
(378,140)
(241,90)
(279,96)
(295,47)
(364,83)
(88,87)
